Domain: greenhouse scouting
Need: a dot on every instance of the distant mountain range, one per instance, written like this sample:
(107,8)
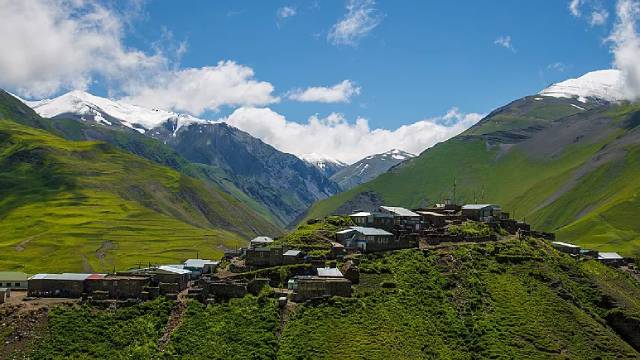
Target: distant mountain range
(278,185)
(565,160)
(369,168)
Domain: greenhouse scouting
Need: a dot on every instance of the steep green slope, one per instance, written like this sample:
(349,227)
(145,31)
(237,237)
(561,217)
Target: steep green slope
(67,205)
(509,300)
(575,174)
(514,300)
(130,141)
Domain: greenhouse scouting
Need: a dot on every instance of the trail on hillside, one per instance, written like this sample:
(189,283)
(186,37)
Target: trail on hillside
(175,319)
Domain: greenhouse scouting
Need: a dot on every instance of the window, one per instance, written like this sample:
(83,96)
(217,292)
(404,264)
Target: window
(17,284)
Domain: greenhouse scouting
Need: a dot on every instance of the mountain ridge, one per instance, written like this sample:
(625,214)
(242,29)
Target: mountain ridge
(562,164)
(281,194)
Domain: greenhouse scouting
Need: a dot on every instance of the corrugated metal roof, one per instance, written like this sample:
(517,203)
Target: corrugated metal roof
(400,211)
(609,256)
(345,231)
(361,213)
(560,243)
(262,240)
(329,272)
(63,277)
(8,276)
(173,270)
(199,263)
(369,231)
(477,206)
(292,253)
(430,213)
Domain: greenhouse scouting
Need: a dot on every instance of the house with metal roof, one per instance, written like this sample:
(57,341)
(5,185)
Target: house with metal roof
(368,239)
(329,272)
(404,220)
(610,258)
(373,219)
(293,256)
(200,266)
(261,241)
(65,285)
(481,212)
(13,280)
(566,247)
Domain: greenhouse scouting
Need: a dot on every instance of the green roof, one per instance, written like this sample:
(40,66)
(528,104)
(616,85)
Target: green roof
(12,276)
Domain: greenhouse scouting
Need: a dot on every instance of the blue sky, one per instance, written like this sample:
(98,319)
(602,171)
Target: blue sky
(341,78)
(422,59)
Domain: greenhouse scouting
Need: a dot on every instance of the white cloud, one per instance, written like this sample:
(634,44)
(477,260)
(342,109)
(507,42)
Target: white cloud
(599,17)
(286,12)
(349,142)
(626,45)
(196,90)
(48,46)
(361,18)
(505,42)
(574,7)
(557,66)
(341,92)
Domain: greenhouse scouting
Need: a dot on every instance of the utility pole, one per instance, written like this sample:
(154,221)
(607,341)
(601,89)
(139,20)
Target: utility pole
(454,190)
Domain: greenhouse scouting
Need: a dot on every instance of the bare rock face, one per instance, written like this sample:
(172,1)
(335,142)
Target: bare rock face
(363,201)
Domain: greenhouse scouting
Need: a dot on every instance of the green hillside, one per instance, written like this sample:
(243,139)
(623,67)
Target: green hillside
(71,206)
(131,141)
(561,169)
(507,300)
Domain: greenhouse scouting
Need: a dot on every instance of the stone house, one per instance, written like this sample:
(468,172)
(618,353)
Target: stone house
(481,212)
(367,239)
(66,285)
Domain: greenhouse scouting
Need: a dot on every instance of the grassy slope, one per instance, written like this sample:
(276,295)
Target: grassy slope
(242,329)
(597,212)
(517,299)
(84,333)
(68,206)
(130,141)
(522,301)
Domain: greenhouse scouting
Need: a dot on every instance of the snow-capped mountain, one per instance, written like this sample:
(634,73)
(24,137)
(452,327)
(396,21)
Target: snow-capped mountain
(602,84)
(369,168)
(326,164)
(83,106)
(277,182)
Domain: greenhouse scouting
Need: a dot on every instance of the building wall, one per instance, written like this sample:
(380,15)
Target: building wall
(317,287)
(56,288)
(14,284)
(118,288)
(387,242)
(272,257)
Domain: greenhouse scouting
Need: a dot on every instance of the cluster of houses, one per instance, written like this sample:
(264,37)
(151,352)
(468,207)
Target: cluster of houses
(386,228)
(392,227)
(609,258)
(138,284)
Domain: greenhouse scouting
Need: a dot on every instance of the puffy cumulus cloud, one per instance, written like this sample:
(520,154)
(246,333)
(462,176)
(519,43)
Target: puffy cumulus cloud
(48,46)
(346,141)
(361,18)
(341,92)
(505,42)
(626,45)
(196,90)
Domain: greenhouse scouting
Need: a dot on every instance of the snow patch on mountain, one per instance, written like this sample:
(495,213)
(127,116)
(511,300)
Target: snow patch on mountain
(91,107)
(607,85)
